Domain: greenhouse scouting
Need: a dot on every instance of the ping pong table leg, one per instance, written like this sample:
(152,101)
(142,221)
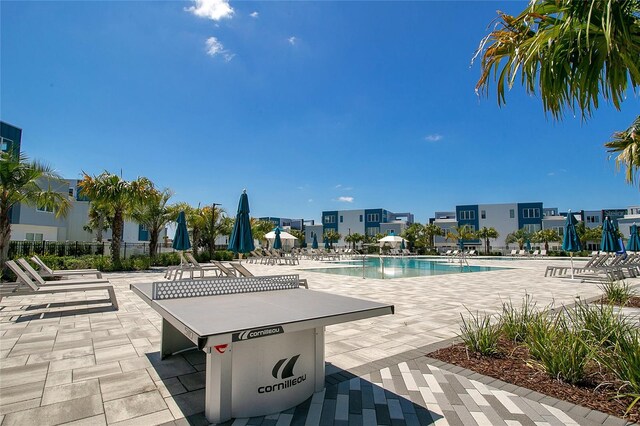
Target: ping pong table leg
(319,356)
(172,340)
(217,404)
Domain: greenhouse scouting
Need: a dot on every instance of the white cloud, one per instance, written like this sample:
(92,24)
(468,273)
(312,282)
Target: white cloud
(433,137)
(215,47)
(345,199)
(310,200)
(254,14)
(292,40)
(211,9)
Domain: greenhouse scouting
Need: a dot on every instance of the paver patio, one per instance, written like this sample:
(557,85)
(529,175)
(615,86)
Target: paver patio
(71,359)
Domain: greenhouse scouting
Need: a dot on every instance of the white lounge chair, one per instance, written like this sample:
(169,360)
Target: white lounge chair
(45,271)
(29,287)
(33,274)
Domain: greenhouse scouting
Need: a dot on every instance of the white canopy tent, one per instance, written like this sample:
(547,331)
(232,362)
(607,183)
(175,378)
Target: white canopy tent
(392,240)
(287,239)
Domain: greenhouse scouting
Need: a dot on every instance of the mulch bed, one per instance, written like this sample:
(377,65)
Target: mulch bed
(513,365)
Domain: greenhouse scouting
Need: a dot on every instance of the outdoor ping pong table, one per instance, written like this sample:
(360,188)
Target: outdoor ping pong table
(263,337)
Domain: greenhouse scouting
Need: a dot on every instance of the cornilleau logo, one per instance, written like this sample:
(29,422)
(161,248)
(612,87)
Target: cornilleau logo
(287,370)
(283,369)
(254,334)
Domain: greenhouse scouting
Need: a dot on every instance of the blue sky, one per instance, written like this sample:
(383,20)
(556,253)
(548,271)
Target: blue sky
(310,106)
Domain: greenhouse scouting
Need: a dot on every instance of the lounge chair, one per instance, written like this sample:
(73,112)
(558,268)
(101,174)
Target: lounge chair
(514,252)
(32,288)
(543,253)
(46,272)
(447,253)
(224,271)
(535,253)
(202,267)
(33,274)
(173,271)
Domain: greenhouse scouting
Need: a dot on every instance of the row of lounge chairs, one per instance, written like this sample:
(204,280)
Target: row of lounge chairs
(272,257)
(526,253)
(601,265)
(29,281)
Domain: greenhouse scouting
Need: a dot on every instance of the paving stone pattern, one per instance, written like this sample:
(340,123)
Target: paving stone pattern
(71,359)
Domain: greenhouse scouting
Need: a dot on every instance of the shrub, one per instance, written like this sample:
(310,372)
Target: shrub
(617,292)
(623,360)
(479,335)
(560,350)
(600,322)
(516,323)
(166,259)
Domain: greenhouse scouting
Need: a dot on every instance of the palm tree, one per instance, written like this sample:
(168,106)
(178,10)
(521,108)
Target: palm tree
(520,237)
(486,234)
(573,53)
(260,228)
(431,231)
(123,197)
(28,182)
(214,222)
(299,235)
(627,145)
(99,219)
(332,236)
(546,236)
(460,233)
(413,234)
(586,234)
(154,214)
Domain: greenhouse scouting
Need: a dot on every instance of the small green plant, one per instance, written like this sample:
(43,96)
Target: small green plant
(601,323)
(479,334)
(617,292)
(623,360)
(516,322)
(560,350)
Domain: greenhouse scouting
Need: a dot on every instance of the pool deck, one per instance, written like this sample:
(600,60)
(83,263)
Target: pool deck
(69,359)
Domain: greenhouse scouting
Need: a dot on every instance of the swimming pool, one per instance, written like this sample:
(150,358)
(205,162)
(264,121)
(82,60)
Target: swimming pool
(398,267)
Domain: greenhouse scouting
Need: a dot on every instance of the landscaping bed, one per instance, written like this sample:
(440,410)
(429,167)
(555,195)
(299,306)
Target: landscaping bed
(514,365)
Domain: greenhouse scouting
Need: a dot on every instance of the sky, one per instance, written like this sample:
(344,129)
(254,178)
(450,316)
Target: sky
(309,106)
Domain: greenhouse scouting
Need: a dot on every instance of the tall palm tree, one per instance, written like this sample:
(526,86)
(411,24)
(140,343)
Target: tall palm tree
(29,182)
(154,214)
(260,228)
(627,144)
(546,236)
(123,197)
(486,234)
(431,231)
(414,233)
(99,219)
(332,236)
(520,237)
(573,53)
(214,222)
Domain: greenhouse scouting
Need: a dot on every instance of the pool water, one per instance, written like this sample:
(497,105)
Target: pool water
(398,267)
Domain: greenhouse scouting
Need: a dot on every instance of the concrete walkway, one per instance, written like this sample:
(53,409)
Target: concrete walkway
(70,359)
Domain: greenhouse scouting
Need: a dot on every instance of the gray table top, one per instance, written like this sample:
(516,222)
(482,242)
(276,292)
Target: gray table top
(217,315)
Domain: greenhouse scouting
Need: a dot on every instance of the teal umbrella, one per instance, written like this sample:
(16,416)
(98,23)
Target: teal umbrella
(402,246)
(634,239)
(314,244)
(571,242)
(326,243)
(241,240)
(181,239)
(528,245)
(608,241)
(277,243)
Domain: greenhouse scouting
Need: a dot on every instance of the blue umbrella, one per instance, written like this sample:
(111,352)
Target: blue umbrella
(326,243)
(528,245)
(277,243)
(608,241)
(241,240)
(181,239)
(314,244)
(402,247)
(571,242)
(634,239)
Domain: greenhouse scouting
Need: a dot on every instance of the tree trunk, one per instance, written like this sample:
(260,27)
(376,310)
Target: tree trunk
(116,238)
(5,236)
(546,245)
(153,242)
(99,230)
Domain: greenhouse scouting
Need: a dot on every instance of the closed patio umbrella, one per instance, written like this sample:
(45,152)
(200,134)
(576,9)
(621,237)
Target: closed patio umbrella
(314,244)
(402,246)
(326,243)
(181,239)
(634,239)
(277,243)
(571,242)
(608,241)
(241,240)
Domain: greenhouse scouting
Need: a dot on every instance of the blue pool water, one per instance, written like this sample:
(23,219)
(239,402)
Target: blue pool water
(398,267)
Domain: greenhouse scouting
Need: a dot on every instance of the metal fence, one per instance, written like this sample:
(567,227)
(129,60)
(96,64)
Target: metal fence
(74,248)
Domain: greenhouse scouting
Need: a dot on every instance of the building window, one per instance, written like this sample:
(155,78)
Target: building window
(47,209)
(360,218)
(373,230)
(531,227)
(512,213)
(33,236)
(593,219)
(340,218)
(70,192)
(373,217)
(559,230)
(483,214)
(467,215)
(329,219)
(531,213)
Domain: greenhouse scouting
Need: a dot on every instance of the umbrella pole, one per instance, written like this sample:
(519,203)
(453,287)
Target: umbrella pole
(571,257)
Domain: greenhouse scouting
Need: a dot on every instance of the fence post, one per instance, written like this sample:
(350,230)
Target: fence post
(125,250)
